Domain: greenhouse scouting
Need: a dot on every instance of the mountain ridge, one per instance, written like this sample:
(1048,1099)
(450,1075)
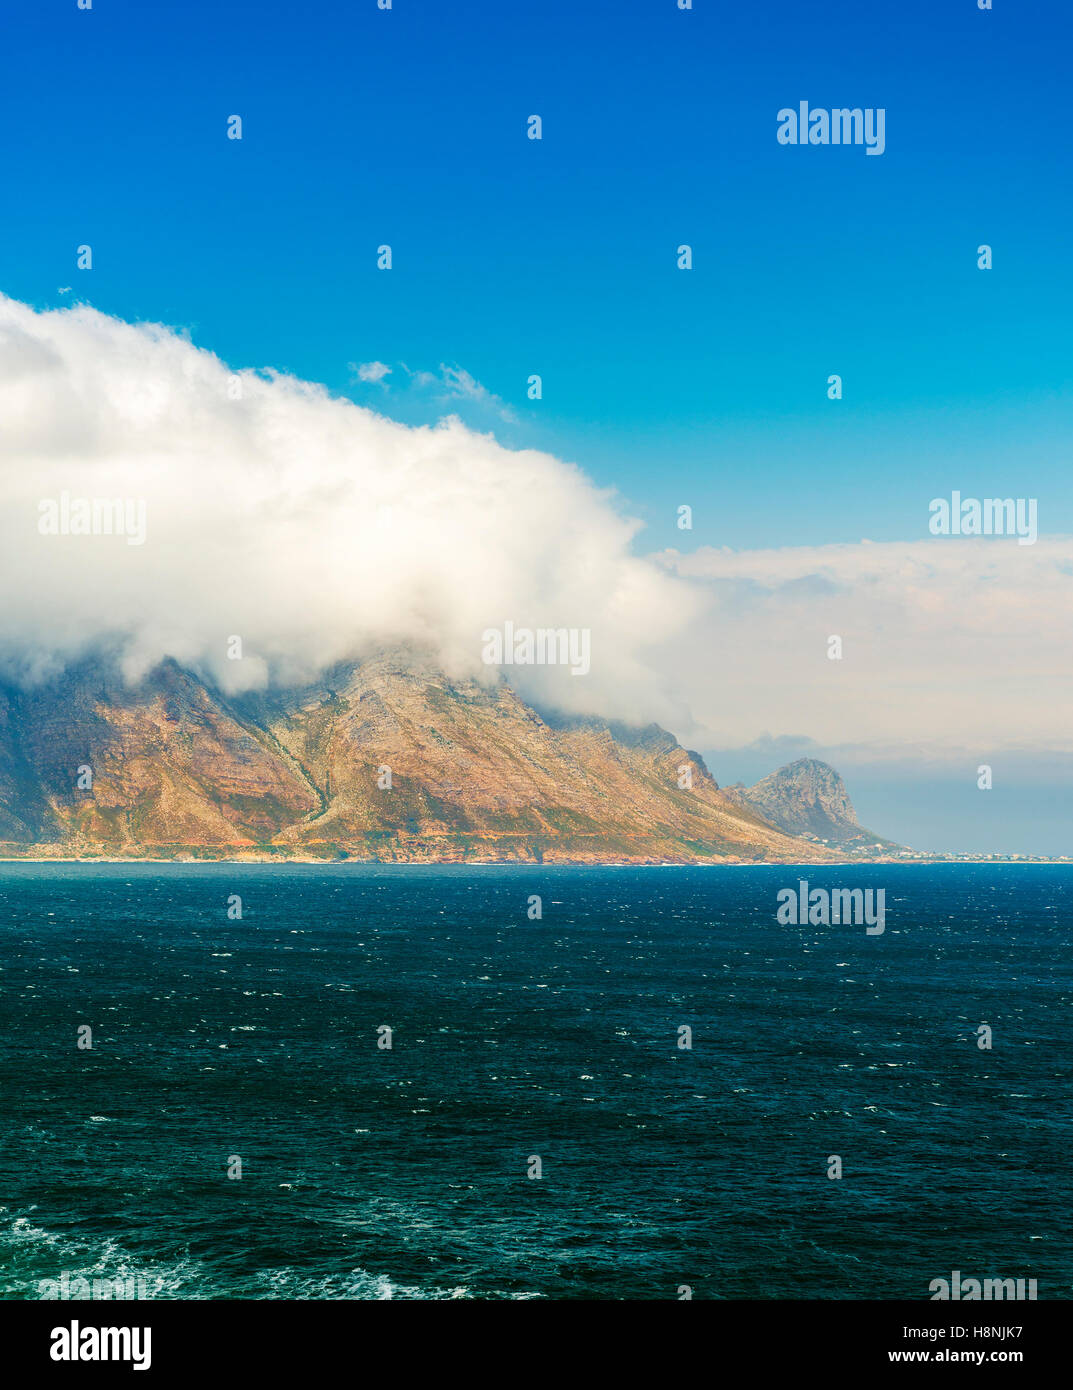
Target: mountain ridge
(388,760)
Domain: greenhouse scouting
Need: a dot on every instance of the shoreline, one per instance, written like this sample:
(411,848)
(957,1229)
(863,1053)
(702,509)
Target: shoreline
(538,864)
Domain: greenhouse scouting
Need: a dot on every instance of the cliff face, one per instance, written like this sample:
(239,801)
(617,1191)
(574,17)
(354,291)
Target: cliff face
(170,765)
(475,774)
(809,799)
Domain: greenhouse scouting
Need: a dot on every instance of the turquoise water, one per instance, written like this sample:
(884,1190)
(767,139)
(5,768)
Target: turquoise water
(372,1173)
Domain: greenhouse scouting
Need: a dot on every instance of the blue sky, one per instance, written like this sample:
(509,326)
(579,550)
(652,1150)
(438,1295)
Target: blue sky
(557,257)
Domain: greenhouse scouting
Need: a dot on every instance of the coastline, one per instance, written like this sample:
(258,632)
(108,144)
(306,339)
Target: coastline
(537,864)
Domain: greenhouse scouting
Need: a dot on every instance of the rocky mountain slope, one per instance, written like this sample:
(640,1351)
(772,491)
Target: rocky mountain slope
(808,798)
(179,770)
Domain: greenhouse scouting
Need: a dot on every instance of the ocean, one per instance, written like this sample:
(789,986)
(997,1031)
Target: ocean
(521,1045)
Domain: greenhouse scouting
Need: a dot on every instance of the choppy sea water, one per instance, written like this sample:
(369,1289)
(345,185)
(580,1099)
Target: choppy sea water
(373,1173)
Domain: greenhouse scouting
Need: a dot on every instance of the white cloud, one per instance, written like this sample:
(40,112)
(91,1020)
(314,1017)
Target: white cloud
(949,644)
(370,371)
(316,529)
(311,527)
(456,384)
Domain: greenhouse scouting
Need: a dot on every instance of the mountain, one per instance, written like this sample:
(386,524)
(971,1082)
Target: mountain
(808,798)
(181,770)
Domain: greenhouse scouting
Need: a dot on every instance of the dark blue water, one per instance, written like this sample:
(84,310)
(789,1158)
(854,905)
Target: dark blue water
(369,1173)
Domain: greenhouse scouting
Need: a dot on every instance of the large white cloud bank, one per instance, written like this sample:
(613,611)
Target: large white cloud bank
(949,646)
(311,528)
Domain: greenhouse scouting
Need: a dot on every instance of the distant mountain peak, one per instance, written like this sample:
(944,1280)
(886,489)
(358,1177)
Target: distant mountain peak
(808,798)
